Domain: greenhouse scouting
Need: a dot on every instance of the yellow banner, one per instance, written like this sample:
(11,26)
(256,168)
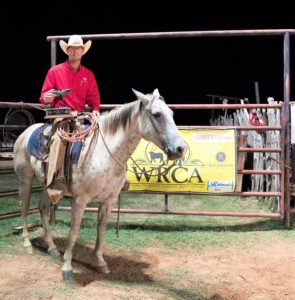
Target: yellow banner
(209,165)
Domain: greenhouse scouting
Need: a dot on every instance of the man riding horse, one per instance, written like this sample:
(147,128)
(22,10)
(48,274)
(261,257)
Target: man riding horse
(68,76)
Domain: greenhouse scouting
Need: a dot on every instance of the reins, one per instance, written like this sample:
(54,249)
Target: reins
(127,169)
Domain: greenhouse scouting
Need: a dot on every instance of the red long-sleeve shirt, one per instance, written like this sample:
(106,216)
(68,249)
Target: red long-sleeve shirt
(82,82)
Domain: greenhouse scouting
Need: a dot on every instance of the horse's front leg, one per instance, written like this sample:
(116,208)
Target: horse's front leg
(104,211)
(78,207)
(44,207)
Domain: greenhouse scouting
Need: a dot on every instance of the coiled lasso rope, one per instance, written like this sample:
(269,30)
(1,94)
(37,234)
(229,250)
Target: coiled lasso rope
(79,134)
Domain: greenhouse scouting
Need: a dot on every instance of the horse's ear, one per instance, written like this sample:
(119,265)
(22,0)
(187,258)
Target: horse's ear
(156,93)
(142,97)
(138,94)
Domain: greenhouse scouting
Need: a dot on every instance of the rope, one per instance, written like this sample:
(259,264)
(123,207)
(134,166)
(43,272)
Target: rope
(7,135)
(78,134)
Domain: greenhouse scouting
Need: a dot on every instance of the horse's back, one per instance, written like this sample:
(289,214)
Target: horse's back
(21,157)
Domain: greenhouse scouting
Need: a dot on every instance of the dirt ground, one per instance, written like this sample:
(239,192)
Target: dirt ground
(256,272)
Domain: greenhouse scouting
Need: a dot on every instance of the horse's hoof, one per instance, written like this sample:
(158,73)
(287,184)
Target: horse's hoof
(67,275)
(29,250)
(54,252)
(103,269)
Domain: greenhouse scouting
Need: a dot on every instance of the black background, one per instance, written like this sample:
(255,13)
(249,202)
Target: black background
(184,69)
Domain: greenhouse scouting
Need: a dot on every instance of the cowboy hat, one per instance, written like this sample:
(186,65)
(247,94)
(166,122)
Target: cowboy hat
(75,41)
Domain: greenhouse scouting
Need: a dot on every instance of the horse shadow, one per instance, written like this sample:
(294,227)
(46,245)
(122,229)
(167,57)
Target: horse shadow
(256,225)
(124,268)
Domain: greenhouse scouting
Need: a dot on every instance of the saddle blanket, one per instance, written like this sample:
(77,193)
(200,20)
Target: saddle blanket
(38,144)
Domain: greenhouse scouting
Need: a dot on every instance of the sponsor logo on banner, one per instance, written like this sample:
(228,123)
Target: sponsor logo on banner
(220,186)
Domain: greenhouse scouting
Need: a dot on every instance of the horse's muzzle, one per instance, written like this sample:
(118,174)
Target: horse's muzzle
(178,151)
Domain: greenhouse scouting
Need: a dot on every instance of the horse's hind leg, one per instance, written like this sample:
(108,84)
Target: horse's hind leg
(102,219)
(44,207)
(25,196)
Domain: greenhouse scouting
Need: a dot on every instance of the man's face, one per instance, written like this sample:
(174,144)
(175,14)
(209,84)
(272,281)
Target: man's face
(75,53)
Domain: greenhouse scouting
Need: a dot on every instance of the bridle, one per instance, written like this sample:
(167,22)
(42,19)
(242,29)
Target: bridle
(152,120)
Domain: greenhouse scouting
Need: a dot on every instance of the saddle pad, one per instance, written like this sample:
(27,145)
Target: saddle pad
(38,144)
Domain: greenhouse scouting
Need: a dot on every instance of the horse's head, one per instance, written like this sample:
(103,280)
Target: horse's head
(157,125)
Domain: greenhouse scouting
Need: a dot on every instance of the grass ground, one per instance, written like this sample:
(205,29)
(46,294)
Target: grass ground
(178,230)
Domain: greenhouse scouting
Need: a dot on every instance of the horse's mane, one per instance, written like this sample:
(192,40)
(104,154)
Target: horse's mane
(119,117)
(111,121)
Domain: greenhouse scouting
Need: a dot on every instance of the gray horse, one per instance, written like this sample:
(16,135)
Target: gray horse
(99,174)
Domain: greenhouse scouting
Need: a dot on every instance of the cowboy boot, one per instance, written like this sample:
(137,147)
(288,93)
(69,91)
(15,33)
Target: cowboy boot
(57,190)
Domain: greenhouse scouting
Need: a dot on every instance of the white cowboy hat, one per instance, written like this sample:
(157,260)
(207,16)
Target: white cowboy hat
(75,41)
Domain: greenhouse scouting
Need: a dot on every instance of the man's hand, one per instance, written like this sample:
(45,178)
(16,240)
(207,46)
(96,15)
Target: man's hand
(48,97)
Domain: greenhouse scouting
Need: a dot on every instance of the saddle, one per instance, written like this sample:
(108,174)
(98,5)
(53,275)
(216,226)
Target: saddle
(39,146)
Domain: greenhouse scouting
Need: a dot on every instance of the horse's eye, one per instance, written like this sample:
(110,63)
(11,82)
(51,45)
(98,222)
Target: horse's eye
(157,115)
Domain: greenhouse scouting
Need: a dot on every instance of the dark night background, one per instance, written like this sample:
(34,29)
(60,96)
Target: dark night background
(184,70)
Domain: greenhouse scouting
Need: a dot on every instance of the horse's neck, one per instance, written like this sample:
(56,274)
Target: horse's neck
(123,143)
(119,131)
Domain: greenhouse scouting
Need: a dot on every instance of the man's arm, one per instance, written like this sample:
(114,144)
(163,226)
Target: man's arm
(47,96)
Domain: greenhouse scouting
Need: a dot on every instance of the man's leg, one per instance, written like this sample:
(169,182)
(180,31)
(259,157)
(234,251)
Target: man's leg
(55,178)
